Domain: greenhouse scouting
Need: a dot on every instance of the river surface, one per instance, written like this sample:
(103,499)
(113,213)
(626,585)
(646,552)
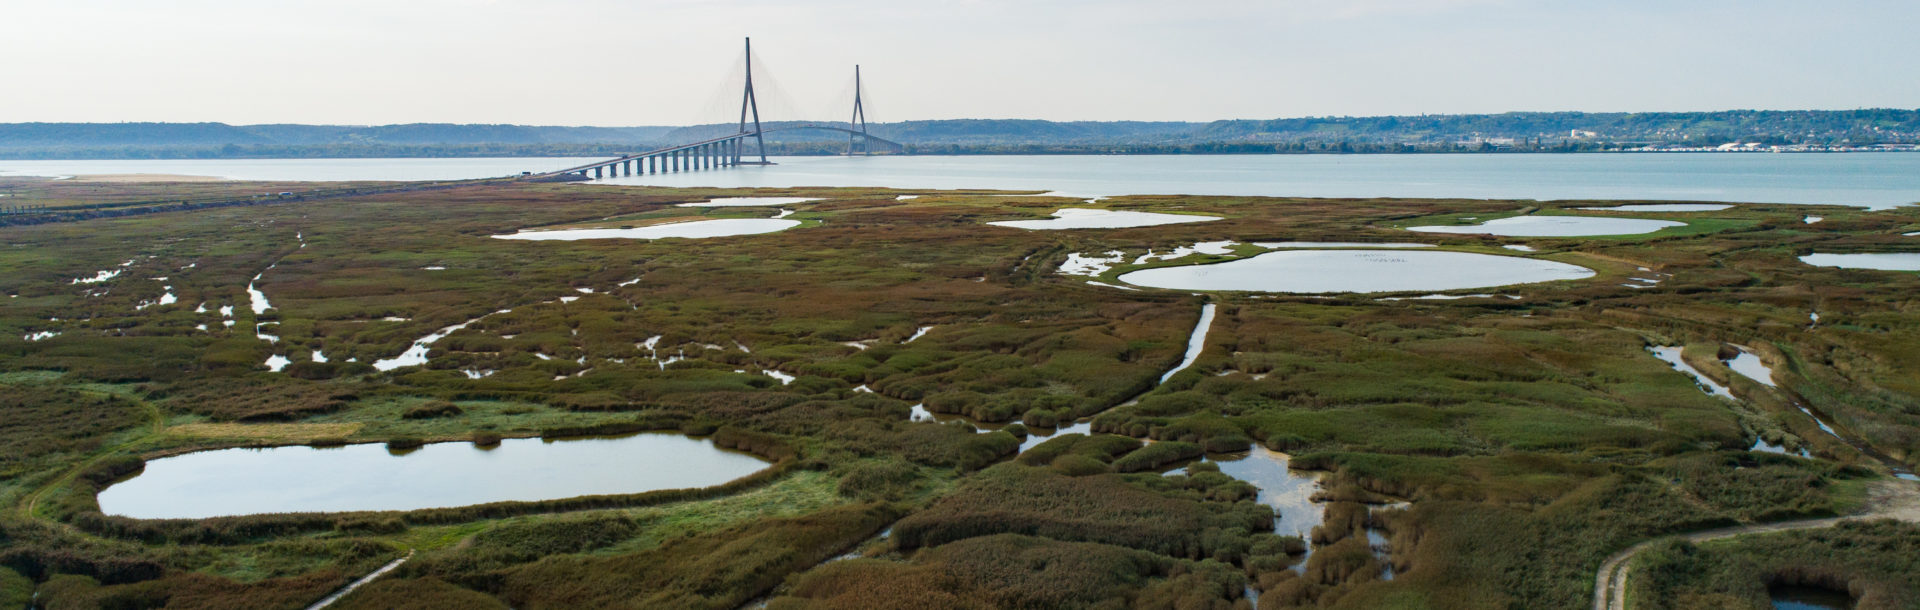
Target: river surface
(369,477)
(1865,179)
(1874,180)
(302,169)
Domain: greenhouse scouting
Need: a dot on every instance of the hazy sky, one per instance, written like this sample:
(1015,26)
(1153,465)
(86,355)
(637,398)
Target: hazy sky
(670,62)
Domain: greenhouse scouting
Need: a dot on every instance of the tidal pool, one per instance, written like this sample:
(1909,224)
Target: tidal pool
(301,479)
(1088,218)
(719,227)
(1882,261)
(1665,207)
(1555,226)
(1318,271)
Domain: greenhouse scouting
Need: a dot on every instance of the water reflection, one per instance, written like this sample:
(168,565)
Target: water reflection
(1880,261)
(722,227)
(1321,271)
(1087,218)
(1794,597)
(1289,492)
(368,477)
(1555,226)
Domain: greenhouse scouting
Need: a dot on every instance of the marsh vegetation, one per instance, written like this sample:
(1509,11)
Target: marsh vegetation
(1465,452)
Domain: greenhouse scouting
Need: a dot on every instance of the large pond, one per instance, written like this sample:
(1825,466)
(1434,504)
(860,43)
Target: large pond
(698,229)
(1087,218)
(1555,226)
(369,477)
(737,202)
(1883,261)
(1319,271)
(1664,207)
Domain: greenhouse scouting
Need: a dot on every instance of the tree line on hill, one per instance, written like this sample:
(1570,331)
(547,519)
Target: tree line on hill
(1522,131)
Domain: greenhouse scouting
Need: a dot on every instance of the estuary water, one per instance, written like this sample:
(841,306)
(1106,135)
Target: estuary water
(300,479)
(1864,179)
(321,170)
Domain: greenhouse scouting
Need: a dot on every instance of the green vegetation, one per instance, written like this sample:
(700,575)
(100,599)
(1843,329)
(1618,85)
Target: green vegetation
(1877,563)
(1527,437)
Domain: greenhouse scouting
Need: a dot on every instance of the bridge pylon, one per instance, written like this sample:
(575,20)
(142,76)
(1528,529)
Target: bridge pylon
(749,102)
(859,120)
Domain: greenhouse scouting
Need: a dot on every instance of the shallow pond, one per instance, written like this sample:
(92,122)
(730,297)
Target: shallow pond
(1786,597)
(1882,261)
(1750,366)
(1319,271)
(1087,218)
(1283,245)
(731,202)
(369,477)
(721,227)
(1289,492)
(1665,207)
(1555,226)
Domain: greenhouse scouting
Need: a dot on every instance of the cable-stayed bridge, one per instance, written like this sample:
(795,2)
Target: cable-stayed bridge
(730,150)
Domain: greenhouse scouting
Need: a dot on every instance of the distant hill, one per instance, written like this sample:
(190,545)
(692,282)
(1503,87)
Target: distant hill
(1529,131)
(192,140)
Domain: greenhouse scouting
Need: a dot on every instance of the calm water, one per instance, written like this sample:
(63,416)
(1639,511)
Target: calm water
(1555,226)
(1317,271)
(1664,207)
(301,169)
(1088,218)
(368,477)
(1289,492)
(1875,180)
(1808,598)
(1883,261)
(1750,366)
(1671,355)
(698,229)
(751,202)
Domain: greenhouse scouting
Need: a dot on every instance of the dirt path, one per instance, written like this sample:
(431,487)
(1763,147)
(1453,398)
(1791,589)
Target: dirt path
(1893,499)
(328,600)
